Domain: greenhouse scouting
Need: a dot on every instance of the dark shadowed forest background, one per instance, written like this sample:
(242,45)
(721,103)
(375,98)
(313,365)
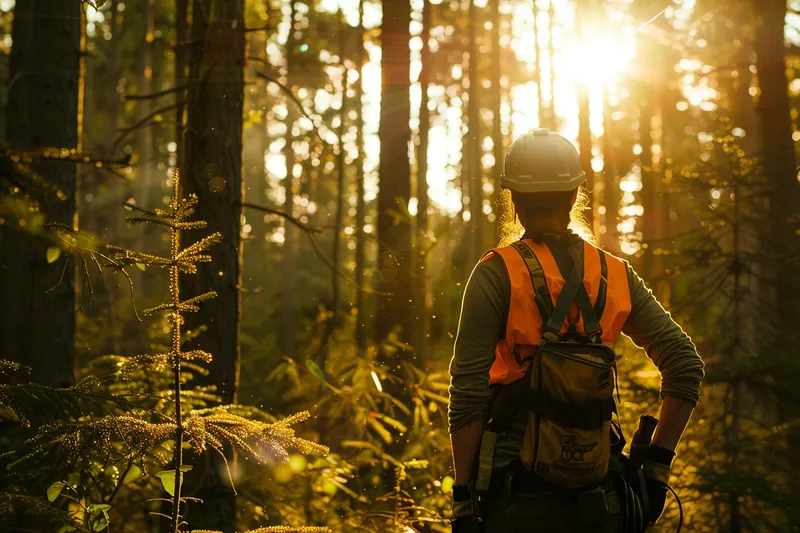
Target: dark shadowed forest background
(286,360)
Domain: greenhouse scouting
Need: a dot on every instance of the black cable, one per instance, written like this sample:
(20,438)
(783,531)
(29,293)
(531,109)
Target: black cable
(680,509)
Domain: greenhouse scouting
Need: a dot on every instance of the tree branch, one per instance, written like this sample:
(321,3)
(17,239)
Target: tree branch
(129,129)
(311,231)
(156,94)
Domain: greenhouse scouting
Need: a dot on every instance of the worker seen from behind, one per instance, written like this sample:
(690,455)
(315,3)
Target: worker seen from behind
(536,446)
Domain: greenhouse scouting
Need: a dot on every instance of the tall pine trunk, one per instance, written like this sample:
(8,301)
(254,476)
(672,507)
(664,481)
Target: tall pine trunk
(781,242)
(287,329)
(213,168)
(474,173)
(37,326)
(395,309)
(361,317)
(420,277)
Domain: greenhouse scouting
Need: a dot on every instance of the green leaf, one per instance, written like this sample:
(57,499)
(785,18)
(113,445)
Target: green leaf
(54,490)
(99,522)
(141,266)
(167,478)
(133,473)
(97,508)
(249,340)
(315,370)
(53,253)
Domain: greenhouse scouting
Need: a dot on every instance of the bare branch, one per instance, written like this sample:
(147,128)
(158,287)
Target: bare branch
(156,94)
(140,123)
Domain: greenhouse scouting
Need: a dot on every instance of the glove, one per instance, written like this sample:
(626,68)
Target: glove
(656,477)
(463,518)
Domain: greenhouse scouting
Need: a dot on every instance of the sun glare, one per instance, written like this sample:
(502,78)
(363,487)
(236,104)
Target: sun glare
(597,59)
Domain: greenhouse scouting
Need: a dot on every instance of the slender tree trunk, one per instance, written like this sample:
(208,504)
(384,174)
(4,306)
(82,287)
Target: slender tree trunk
(214,173)
(584,126)
(338,215)
(37,325)
(287,330)
(361,317)
(420,278)
(611,191)
(473,152)
(498,143)
(537,49)
(395,310)
(181,23)
(552,120)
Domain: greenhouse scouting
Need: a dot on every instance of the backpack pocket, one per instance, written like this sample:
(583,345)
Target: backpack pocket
(570,401)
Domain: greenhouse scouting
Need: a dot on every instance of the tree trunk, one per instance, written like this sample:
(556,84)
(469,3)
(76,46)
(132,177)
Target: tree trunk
(584,127)
(781,240)
(361,317)
(420,278)
(473,149)
(497,99)
(287,329)
(537,49)
(214,173)
(181,23)
(611,194)
(395,310)
(37,327)
(552,121)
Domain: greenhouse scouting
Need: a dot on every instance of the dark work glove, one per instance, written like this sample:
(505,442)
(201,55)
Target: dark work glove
(463,517)
(656,477)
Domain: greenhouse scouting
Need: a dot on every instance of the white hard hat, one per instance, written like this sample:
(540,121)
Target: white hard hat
(542,161)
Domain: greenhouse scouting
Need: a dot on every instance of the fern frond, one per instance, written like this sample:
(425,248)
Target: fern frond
(216,428)
(32,400)
(10,367)
(66,442)
(12,504)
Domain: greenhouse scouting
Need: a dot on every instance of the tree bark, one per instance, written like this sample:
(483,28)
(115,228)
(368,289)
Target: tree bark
(37,327)
(214,173)
(361,317)
(497,99)
(395,310)
(420,278)
(474,171)
(781,241)
(287,330)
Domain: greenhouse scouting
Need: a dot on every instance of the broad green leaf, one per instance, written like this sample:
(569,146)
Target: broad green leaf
(98,507)
(315,370)
(167,478)
(133,472)
(141,266)
(54,490)
(53,253)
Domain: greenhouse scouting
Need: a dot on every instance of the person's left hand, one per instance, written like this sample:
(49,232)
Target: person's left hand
(656,477)
(463,517)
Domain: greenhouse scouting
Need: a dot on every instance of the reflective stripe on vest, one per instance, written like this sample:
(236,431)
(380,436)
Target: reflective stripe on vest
(524,325)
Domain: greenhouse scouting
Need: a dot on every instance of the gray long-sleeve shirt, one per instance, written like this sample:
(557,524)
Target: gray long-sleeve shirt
(484,312)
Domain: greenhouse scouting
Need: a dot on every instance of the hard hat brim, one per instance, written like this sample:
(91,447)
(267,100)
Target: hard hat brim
(565,183)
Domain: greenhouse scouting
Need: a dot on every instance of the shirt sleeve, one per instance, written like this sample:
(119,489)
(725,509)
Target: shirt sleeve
(484,311)
(650,326)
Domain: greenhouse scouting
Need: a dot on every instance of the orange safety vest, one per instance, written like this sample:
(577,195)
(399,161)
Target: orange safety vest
(524,325)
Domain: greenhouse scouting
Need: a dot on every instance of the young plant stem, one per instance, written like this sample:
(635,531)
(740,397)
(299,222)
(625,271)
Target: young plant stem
(176,318)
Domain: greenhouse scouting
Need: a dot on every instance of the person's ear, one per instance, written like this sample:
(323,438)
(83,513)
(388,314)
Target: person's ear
(574,198)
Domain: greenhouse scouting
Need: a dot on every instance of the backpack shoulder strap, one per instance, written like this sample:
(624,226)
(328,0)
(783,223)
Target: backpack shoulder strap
(542,298)
(571,267)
